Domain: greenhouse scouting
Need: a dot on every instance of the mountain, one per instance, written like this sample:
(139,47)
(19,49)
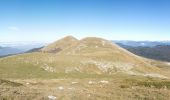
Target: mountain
(23,45)
(13,48)
(142,43)
(60,45)
(8,51)
(158,52)
(87,69)
(90,56)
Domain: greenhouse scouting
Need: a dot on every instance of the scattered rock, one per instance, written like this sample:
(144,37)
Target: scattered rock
(155,75)
(74,82)
(51,97)
(27,83)
(91,82)
(104,82)
(103,43)
(61,88)
(48,68)
(71,88)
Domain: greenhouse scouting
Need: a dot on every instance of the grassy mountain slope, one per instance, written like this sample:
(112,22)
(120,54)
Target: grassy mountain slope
(87,69)
(87,56)
(59,45)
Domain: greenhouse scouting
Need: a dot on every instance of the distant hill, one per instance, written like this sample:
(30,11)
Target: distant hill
(8,51)
(23,45)
(68,55)
(158,52)
(142,43)
(88,69)
(13,48)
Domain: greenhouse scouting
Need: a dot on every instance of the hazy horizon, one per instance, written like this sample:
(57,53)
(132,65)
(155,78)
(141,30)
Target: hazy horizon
(79,38)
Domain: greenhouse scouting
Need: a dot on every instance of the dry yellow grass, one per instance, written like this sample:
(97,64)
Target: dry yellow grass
(87,69)
(115,88)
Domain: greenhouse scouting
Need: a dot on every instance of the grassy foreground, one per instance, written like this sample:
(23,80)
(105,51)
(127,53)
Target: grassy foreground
(87,87)
(89,69)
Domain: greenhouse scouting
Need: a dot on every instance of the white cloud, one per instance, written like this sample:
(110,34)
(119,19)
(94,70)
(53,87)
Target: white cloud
(13,28)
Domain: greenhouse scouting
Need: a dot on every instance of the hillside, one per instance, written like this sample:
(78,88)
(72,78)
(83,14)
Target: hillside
(90,68)
(158,52)
(59,45)
(90,56)
(34,50)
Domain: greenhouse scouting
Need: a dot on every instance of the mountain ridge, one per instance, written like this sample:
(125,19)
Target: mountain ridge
(60,44)
(98,48)
(88,55)
(158,52)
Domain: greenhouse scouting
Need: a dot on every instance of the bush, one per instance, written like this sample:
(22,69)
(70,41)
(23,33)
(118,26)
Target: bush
(159,85)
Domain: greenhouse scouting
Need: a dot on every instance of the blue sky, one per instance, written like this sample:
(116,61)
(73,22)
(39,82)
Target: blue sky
(48,20)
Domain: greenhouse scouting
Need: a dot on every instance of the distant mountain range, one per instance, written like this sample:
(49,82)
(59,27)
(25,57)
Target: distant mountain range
(158,52)
(142,43)
(91,67)
(69,55)
(10,48)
